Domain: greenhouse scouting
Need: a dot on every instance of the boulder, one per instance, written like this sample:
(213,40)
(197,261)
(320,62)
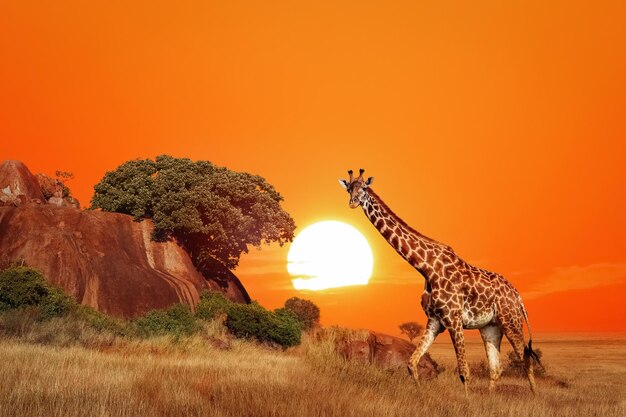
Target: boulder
(358,350)
(388,352)
(104,260)
(16,179)
(55,193)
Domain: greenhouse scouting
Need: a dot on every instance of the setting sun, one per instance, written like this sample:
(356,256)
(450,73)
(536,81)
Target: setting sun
(329,254)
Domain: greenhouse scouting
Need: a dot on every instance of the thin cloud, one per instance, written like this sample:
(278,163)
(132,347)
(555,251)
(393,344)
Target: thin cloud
(579,278)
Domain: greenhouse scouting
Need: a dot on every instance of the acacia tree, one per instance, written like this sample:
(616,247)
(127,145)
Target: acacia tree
(411,329)
(307,312)
(212,212)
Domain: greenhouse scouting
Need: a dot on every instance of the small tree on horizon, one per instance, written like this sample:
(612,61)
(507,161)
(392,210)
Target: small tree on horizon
(411,329)
(307,312)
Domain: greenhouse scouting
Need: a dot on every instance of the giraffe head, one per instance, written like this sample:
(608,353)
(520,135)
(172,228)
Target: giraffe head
(356,187)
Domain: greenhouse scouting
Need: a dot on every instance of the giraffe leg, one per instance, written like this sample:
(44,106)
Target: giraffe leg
(458,340)
(516,337)
(433,328)
(492,337)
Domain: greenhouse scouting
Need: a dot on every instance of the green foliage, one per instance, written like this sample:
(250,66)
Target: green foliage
(101,322)
(56,304)
(176,321)
(307,313)
(23,287)
(253,321)
(26,298)
(287,330)
(213,212)
(211,305)
(411,329)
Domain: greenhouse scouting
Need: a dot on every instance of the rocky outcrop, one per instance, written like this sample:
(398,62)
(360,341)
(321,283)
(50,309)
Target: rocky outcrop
(17,185)
(55,192)
(105,260)
(388,352)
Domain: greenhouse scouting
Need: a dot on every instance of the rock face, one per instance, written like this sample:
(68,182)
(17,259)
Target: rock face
(53,192)
(18,185)
(388,352)
(105,260)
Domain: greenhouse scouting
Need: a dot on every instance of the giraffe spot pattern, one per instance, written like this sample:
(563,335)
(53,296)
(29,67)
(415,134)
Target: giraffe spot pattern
(456,294)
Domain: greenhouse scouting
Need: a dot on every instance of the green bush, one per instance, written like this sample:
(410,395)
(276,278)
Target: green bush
(254,321)
(101,322)
(56,304)
(211,305)
(287,330)
(176,321)
(22,287)
(307,313)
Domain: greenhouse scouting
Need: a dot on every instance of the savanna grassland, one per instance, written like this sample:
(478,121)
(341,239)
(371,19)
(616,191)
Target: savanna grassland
(58,369)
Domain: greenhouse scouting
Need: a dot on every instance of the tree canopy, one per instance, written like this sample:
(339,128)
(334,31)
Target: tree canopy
(411,329)
(305,310)
(212,212)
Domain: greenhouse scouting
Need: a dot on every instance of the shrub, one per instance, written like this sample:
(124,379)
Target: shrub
(211,305)
(176,321)
(248,321)
(254,321)
(287,330)
(101,322)
(307,313)
(515,366)
(22,286)
(56,304)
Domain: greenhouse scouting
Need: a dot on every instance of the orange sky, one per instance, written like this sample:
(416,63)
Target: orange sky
(499,129)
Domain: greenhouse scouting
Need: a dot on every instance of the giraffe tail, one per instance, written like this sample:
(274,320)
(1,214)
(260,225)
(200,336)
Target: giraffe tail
(528,350)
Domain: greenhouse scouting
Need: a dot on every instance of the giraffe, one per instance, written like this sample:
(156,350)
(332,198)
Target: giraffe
(456,295)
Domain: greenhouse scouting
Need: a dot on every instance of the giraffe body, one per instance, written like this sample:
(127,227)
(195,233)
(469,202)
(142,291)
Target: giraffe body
(457,295)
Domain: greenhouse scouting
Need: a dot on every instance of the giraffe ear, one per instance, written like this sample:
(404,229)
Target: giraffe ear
(369,181)
(344,184)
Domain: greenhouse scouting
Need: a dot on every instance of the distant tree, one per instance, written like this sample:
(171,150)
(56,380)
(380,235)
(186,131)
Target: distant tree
(411,329)
(306,311)
(212,212)
(62,177)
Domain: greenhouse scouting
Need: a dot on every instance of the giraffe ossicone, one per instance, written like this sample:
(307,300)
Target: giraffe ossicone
(457,295)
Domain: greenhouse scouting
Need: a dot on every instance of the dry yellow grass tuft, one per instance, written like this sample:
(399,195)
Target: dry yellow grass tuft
(197,377)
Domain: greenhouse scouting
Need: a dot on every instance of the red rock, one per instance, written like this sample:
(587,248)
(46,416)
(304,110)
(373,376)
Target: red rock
(427,368)
(388,352)
(52,190)
(47,184)
(104,260)
(357,350)
(19,180)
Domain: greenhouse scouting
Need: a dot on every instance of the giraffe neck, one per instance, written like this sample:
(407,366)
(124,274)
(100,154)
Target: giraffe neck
(420,251)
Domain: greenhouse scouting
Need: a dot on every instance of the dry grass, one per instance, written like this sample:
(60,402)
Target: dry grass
(197,377)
